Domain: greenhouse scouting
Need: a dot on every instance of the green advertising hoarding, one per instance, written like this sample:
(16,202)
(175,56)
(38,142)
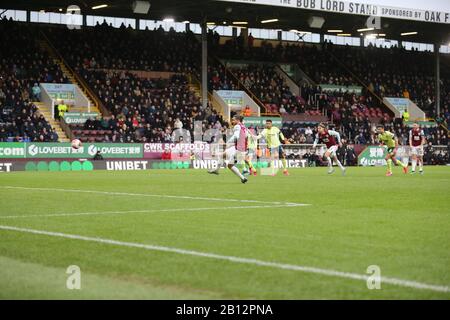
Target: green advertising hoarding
(64,150)
(79,118)
(11,150)
(261,121)
(372,156)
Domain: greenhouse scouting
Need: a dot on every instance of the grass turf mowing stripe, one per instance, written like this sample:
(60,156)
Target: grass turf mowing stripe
(152,195)
(145,211)
(327,272)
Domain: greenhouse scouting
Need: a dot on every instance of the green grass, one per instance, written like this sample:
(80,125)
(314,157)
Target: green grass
(400,223)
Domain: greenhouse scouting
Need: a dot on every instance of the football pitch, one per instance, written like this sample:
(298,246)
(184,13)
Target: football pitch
(184,234)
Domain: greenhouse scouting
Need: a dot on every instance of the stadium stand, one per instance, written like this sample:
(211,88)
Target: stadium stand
(23,67)
(145,109)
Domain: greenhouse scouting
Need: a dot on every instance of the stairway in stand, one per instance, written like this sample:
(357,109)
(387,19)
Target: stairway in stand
(69,74)
(47,113)
(195,86)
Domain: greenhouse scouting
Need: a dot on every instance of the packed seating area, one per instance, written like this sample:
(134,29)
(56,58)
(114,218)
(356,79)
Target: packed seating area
(312,59)
(143,110)
(148,109)
(23,123)
(270,88)
(394,72)
(104,47)
(23,66)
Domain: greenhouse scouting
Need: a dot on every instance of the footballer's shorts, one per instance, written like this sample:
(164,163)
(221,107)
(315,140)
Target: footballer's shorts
(417,151)
(332,150)
(234,156)
(392,151)
(251,153)
(277,150)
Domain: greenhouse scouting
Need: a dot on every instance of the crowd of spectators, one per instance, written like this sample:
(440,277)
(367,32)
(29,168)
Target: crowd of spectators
(354,114)
(23,66)
(105,47)
(393,72)
(148,109)
(145,110)
(22,122)
(386,72)
(270,88)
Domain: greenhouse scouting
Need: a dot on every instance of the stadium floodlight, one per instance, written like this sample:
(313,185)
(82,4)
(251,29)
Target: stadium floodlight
(100,6)
(335,30)
(240,22)
(371,36)
(344,34)
(168,20)
(365,29)
(269,21)
(409,33)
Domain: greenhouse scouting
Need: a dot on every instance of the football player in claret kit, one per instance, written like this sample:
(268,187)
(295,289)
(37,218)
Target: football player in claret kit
(252,145)
(236,148)
(332,139)
(416,143)
(391,142)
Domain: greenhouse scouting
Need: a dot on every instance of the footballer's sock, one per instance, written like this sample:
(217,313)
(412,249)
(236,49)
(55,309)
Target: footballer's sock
(413,164)
(398,162)
(421,165)
(389,165)
(339,164)
(249,164)
(272,166)
(330,163)
(284,164)
(236,172)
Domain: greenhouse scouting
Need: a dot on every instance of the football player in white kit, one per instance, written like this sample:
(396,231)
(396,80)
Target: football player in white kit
(236,148)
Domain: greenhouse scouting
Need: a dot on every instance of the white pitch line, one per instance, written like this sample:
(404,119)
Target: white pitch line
(152,195)
(143,211)
(261,263)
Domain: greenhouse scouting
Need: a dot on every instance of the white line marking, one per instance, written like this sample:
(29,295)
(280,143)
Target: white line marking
(152,195)
(326,272)
(144,211)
